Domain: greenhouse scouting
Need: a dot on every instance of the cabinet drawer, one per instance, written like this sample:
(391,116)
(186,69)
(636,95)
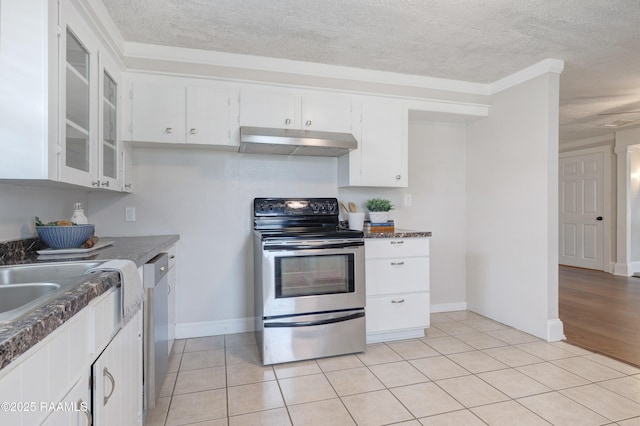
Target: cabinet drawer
(397,275)
(400,311)
(376,248)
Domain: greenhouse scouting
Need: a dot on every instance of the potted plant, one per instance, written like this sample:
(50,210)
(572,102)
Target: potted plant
(378,209)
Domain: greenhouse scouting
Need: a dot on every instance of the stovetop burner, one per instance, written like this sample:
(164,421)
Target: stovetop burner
(308,218)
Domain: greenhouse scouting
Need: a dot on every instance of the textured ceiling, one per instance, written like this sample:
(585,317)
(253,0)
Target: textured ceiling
(471,40)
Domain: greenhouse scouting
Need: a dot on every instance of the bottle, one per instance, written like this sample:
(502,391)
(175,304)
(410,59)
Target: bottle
(78,216)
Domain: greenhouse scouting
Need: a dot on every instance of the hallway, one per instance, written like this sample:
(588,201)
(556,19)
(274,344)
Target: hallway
(601,312)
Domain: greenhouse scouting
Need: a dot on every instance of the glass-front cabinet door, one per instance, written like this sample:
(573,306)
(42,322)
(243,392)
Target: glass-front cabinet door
(108,156)
(78,109)
(78,106)
(89,152)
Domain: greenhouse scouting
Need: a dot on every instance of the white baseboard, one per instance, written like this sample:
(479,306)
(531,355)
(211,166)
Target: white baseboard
(214,328)
(448,307)
(555,330)
(244,325)
(388,336)
(622,269)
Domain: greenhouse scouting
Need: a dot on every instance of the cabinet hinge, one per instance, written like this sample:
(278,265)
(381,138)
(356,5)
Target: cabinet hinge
(229,101)
(131,94)
(131,128)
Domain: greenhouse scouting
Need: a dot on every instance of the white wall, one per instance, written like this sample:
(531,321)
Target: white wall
(437,189)
(634,189)
(512,209)
(19,204)
(206,197)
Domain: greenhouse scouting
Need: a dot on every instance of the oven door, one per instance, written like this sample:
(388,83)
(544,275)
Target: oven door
(300,277)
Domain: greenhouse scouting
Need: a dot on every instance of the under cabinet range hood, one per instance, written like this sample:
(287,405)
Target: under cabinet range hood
(263,140)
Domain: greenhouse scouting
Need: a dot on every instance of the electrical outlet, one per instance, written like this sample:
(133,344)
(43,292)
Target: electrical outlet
(129,214)
(408,199)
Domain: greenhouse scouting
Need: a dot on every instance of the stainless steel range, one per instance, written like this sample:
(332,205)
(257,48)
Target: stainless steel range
(309,280)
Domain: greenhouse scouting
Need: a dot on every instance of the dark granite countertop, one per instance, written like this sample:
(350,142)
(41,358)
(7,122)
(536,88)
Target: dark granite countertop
(398,233)
(18,336)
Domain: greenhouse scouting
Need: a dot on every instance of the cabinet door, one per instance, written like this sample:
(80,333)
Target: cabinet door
(269,108)
(117,378)
(77,406)
(331,113)
(78,101)
(381,159)
(158,111)
(110,151)
(127,168)
(209,115)
(384,144)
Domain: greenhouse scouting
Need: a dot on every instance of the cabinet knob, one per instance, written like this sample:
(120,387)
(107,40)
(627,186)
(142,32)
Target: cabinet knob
(105,183)
(398,177)
(95,183)
(308,123)
(193,131)
(168,130)
(398,301)
(287,121)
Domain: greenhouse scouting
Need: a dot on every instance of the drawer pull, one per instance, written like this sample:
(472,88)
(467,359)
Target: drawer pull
(396,242)
(398,301)
(397,263)
(108,375)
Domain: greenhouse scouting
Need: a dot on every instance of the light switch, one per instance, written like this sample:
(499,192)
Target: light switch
(408,199)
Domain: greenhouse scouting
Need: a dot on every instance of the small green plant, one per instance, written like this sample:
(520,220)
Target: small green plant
(378,205)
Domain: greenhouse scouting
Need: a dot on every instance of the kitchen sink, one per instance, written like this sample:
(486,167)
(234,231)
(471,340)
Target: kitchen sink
(23,288)
(45,272)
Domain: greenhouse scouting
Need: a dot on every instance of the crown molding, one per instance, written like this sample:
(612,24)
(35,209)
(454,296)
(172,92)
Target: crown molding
(543,67)
(276,65)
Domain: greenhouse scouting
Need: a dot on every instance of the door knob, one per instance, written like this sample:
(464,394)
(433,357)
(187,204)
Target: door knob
(599,218)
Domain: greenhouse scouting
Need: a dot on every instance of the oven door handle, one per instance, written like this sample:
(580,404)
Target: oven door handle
(294,247)
(313,323)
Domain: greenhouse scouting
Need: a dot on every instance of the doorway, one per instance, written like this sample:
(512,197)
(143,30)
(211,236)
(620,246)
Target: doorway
(585,208)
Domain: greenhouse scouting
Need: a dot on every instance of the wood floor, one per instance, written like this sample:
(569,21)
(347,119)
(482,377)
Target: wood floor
(601,312)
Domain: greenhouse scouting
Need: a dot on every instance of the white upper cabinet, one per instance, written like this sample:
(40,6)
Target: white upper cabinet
(110,152)
(330,112)
(158,107)
(295,109)
(381,159)
(53,114)
(212,116)
(269,107)
(180,110)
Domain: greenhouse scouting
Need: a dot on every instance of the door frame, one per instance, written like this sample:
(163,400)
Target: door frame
(609,224)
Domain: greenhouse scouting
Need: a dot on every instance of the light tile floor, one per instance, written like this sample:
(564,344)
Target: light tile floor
(468,370)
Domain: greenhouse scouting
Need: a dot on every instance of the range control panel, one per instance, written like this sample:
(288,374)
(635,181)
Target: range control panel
(295,207)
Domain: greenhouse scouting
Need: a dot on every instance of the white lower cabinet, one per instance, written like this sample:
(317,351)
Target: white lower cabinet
(397,277)
(75,407)
(50,383)
(117,378)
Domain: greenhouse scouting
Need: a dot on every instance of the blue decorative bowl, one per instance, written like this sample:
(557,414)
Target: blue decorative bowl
(62,237)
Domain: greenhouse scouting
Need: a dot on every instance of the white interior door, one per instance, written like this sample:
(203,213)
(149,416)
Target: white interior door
(582,218)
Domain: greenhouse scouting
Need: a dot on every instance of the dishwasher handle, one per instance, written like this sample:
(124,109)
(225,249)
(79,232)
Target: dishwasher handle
(155,270)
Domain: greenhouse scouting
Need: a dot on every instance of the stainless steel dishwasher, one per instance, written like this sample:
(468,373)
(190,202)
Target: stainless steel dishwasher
(156,327)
